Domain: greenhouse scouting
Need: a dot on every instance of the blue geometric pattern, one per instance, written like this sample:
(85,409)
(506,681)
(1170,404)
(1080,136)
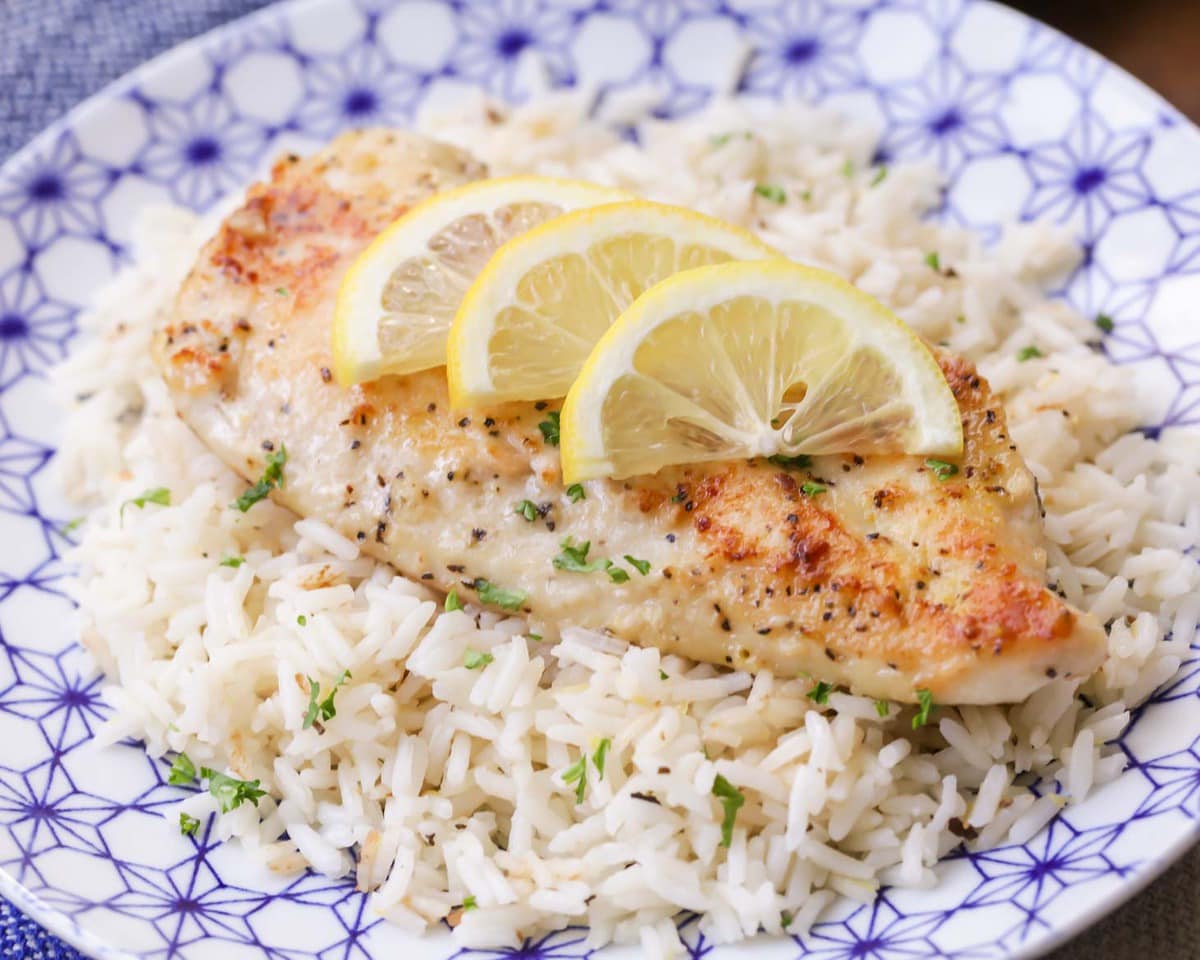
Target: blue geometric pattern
(988,96)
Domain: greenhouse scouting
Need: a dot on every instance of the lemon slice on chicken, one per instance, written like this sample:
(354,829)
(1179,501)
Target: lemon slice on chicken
(397,299)
(529,321)
(754,359)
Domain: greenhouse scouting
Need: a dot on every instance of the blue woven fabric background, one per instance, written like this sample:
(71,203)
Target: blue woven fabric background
(54,53)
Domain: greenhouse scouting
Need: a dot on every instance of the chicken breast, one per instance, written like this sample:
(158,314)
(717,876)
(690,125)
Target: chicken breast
(893,581)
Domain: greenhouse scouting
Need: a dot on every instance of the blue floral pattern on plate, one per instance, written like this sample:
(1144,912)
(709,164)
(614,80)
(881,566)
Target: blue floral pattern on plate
(1022,122)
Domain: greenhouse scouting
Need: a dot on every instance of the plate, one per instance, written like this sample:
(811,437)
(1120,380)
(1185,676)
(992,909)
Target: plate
(1023,123)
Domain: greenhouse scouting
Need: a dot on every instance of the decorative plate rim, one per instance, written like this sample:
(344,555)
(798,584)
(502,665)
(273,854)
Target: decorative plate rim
(63,926)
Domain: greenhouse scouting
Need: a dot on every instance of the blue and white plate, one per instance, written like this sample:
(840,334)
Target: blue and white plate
(1023,122)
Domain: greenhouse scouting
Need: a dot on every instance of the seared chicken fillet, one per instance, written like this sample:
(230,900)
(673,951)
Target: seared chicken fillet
(890,582)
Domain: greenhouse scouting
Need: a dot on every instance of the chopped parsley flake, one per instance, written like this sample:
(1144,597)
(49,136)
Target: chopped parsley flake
(476,659)
(601,755)
(302,620)
(271,479)
(662,675)
(785,919)
(941,469)
(1028,353)
(497,596)
(575,493)
(535,637)
(282,291)
(880,176)
(576,773)
(820,693)
(1105,322)
(549,428)
(925,706)
(772,192)
(848,169)
(933,261)
(182,772)
(469,904)
(229,792)
(71,526)
(527,509)
(731,799)
(810,488)
(799,462)
(188,825)
(159,495)
(452,602)
(574,559)
(679,496)
(720,139)
(882,707)
(641,566)
(324,709)
(232,562)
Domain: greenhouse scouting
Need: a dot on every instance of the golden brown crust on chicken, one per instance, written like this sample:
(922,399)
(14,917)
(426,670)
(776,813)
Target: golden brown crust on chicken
(889,581)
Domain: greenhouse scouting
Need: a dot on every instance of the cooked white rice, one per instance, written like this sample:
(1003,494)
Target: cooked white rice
(435,783)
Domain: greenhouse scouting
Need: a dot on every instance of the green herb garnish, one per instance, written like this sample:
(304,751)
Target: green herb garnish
(302,620)
(941,469)
(497,596)
(271,479)
(1105,322)
(573,558)
(229,792)
(527,509)
(801,461)
(324,709)
(576,773)
(785,919)
(182,771)
(71,526)
(452,602)
(188,825)
(469,903)
(731,799)
(679,497)
(925,706)
(575,493)
(549,428)
(1028,353)
(933,261)
(848,169)
(810,488)
(772,192)
(159,495)
(883,708)
(641,566)
(476,659)
(282,291)
(720,139)
(820,693)
(662,675)
(232,562)
(601,755)
(880,176)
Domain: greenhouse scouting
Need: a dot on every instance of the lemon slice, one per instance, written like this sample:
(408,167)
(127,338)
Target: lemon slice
(754,359)
(529,321)
(397,299)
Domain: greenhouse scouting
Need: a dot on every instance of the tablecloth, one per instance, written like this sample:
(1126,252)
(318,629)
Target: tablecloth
(54,53)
